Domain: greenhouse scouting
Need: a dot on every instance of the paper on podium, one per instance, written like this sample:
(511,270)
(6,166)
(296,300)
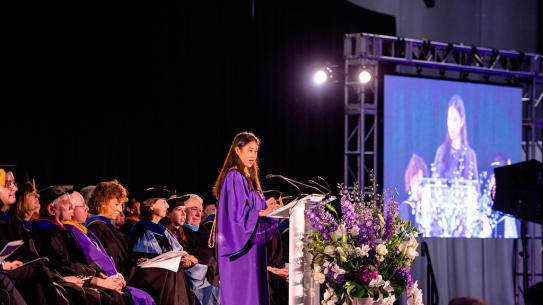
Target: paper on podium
(284,211)
(169,260)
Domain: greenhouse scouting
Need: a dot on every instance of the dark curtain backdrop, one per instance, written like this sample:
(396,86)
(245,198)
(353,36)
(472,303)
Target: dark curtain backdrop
(153,93)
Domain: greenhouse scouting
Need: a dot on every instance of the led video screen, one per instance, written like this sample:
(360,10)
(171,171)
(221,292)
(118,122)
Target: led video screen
(442,141)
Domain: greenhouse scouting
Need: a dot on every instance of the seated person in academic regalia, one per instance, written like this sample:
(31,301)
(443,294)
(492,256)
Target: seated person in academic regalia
(174,223)
(165,286)
(198,235)
(35,280)
(58,244)
(149,239)
(132,215)
(277,268)
(95,252)
(209,211)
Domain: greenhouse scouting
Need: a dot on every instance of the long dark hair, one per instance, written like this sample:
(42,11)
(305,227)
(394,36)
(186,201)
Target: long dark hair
(232,161)
(458,104)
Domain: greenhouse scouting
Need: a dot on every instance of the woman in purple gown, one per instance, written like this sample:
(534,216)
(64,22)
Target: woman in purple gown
(242,228)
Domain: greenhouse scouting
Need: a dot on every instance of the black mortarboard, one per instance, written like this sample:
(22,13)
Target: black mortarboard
(49,194)
(177,201)
(155,192)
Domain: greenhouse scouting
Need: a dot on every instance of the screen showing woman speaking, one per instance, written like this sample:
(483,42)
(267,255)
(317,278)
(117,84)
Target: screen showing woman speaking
(442,141)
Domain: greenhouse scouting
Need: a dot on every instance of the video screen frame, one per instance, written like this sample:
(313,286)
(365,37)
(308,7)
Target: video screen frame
(455,180)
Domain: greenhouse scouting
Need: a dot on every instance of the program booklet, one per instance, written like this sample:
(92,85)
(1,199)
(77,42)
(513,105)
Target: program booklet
(169,260)
(9,248)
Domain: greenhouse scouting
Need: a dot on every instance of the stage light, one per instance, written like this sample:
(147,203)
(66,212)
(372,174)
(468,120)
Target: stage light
(320,77)
(364,76)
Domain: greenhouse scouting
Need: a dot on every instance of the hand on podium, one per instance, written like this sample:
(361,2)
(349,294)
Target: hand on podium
(272,206)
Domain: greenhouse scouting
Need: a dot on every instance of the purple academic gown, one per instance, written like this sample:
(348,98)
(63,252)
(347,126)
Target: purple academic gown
(241,239)
(95,252)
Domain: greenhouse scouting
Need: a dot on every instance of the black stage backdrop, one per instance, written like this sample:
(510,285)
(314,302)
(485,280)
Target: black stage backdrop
(152,93)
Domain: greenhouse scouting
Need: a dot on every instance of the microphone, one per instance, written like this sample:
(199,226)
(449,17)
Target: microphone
(326,183)
(270,176)
(294,183)
(320,185)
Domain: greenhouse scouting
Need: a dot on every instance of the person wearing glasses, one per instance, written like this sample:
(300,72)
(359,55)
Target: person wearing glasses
(243,230)
(165,286)
(35,278)
(58,244)
(150,238)
(197,237)
(95,252)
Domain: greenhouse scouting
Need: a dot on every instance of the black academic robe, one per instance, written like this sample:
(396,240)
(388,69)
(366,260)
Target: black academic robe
(34,280)
(166,287)
(9,295)
(58,244)
(277,255)
(197,245)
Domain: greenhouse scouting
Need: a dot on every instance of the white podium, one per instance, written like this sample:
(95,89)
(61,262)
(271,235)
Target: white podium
(301,287)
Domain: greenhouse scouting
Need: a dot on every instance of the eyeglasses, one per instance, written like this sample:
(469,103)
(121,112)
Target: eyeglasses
(191,209)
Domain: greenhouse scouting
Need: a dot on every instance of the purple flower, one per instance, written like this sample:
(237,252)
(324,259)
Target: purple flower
(322,221)
(404,272)
(349,216)
(392,213)
(365,276)
(368,228)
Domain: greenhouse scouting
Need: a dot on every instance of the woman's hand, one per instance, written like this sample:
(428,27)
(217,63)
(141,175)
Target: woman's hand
(74,280)
(11,265)
(282,272)
(188,261)
(272,206)
(112,282)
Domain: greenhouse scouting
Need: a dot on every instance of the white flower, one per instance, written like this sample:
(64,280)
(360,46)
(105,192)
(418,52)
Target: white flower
(342,254)
(362,251)
(388,300)
(337,271)
(415,295)
(412,241)
(338,233)
(355,231)
(381,249)
(387,287)
(329,250)
(377,282)
(402,247)
(330,297)
(411,253)
(318,277)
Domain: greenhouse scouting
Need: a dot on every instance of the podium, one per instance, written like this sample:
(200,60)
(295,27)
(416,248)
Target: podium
(302,289)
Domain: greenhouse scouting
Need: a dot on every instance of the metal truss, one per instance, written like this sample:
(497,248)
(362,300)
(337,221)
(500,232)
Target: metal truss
(450,61)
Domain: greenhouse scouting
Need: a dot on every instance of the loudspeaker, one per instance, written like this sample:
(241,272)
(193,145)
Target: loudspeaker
(519,190)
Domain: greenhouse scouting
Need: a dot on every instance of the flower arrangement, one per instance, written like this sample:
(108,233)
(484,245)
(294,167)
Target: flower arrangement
(366,252)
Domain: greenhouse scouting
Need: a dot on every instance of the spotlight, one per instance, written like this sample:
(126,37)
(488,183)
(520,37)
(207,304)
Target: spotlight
(326,74)
(320,77)
(364,76)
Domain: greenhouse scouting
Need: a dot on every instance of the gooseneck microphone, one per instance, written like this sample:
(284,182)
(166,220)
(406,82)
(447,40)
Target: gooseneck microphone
(270,176)
(294,183)
(323,189)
